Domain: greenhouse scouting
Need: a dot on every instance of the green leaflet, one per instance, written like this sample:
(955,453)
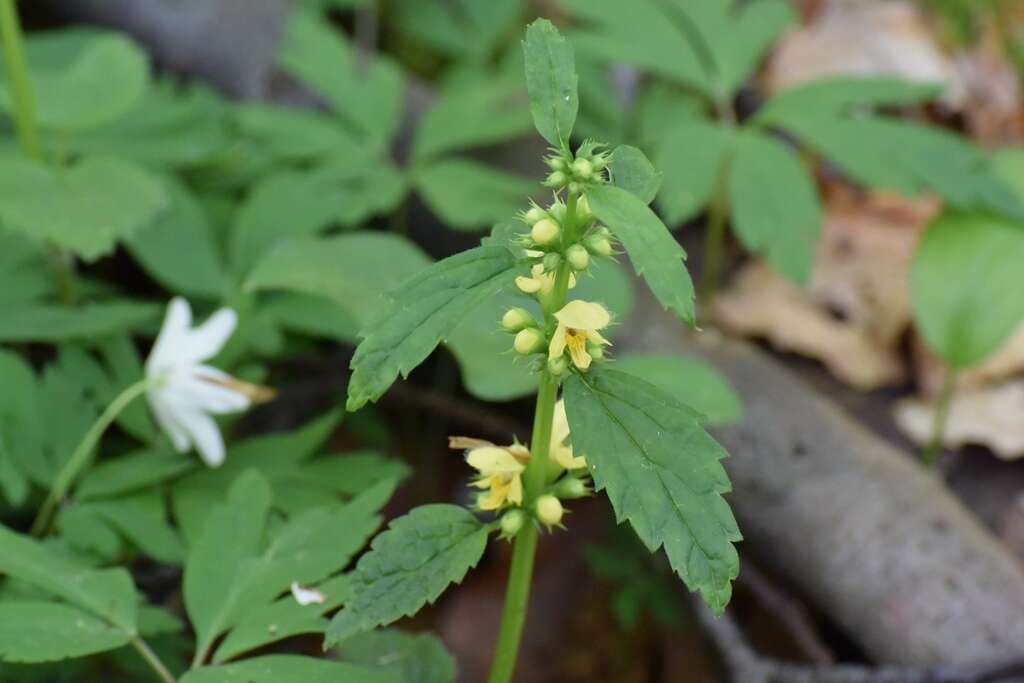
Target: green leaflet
(843,96)
(414,657)
(661,471)
(693,155)
(107,593)
(551,81)
(44,323)
(33,632)
(775,207)
(465,29)
(654,252)
(632,171)
(468,195)
(690,381)
(410,565)
(965,273)
(287,669)
(86,209)
(423,312)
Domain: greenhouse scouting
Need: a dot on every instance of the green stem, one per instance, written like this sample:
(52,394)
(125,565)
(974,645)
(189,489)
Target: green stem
(20,85)
(153,660)
(524,550)
(718,211)
(942,405)
(79,460)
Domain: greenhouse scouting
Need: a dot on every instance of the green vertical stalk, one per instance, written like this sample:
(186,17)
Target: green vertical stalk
(524,550)
(20,85)
(718,213)
(151,658)
(942,405)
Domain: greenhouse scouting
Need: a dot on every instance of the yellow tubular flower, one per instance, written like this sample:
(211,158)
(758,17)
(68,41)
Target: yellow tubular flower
(578,323)
(560,452)
(501,470)
(539,281)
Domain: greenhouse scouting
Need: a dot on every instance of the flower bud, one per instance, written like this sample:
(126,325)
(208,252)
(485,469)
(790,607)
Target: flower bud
(534,214)
(511,522)
(583,212)
(549,510)
(528,341)
(599,245)
(596,352)
(577,257)
(516,319)
(555,163)
(575,187)
(544,231)
(571,488)
(582,168)
(551,262)
(558,366)
(557,211)
(556,179)
(599,161)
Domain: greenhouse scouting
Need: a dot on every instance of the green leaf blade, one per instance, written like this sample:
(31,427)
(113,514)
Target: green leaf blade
(34,632)
(287,669)
(632,170)
(551,81)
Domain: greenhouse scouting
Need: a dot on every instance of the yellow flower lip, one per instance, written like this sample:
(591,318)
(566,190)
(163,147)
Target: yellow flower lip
(578,323)
(500,469)
(584,315)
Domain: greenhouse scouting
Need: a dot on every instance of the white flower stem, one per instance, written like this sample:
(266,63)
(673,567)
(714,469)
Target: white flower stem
(79,460)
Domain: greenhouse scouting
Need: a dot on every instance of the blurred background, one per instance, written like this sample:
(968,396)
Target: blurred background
(847,177)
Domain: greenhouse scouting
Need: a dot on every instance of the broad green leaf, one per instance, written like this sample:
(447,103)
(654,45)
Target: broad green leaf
(551,81)
(661,471)
(422,313)
(775,207)
(180,249)
(290,135)
(962,279)
(465,29)
(689,381)
(46,632)
(142,520)
(107,593)
(632,171)
(312,315)
(483,111)
(413,657)
(351,270)
(1008,164)
(24,273)
(410,565)
(841,96)
(468,195)
(660,108)
(85,209)
(231,537)
(38,323)
(694,156)
(287,669)
(654,252)
(106,78)
(368,97)
(22,430)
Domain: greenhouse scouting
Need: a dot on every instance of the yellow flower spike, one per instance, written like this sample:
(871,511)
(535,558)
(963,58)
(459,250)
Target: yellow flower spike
(560,452)
(578,323)
(501,470)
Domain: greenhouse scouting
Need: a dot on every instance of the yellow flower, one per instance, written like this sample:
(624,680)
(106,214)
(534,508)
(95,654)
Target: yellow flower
(539,281)
(578,323)
(500,468)
(560,452)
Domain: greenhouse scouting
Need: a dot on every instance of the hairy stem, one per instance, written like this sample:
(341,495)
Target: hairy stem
(517,593)
(20,85)
(151,658)
(79,460)
(942,405)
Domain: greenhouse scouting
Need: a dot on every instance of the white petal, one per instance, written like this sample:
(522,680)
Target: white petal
(206,341)
(172,336)
(307,596)
(205,435)
(164,413)
(192,392)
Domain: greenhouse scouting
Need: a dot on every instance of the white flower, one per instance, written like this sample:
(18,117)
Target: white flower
(184,392)
(307,596)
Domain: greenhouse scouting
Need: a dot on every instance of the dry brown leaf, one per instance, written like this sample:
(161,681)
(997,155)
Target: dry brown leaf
(993,109)
(992,417)
(865,38)
(856,308)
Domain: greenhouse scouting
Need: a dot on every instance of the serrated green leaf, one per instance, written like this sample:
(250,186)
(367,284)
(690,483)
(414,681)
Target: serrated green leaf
(33,632)
(286,669)
(468,195)
(413,657)
(106,78)
(690,381)
(464,29)
(632,170)
(964,270)
(551,81)
(86,209)
(662,472)
(107,593)
(775,206)
(408,566)
(424,310)
(352,270)
(58,323)
(694,156)
(654,252)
